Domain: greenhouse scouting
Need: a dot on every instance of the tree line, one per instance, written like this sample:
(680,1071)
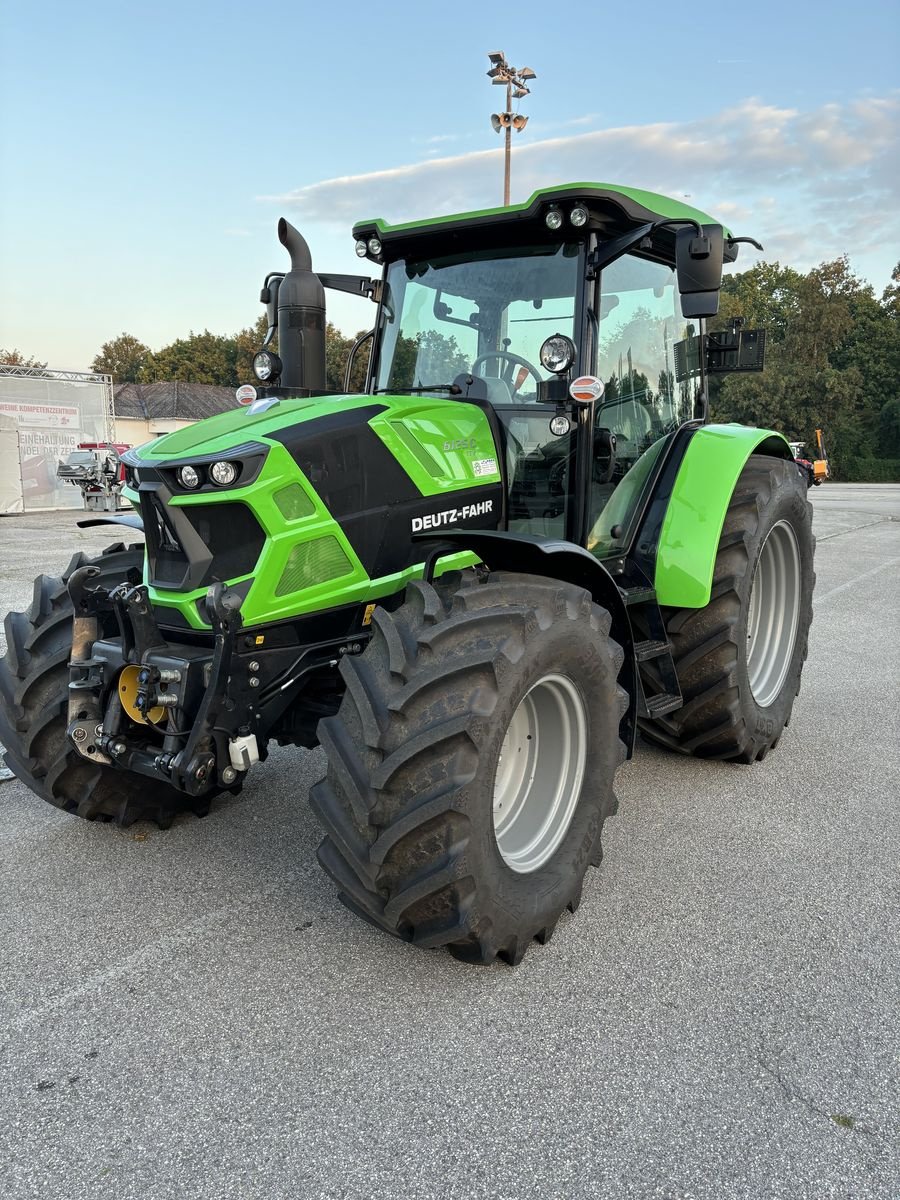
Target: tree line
(225,360)
(832,362)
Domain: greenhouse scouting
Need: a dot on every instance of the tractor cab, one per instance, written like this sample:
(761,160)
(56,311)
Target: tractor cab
(578,318)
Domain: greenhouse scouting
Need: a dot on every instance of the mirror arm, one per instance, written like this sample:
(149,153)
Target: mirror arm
(356,285)
(607,251)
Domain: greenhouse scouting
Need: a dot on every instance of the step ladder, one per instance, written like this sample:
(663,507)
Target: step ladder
(658,689)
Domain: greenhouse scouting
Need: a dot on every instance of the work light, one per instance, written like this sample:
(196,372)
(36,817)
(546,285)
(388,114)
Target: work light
(557,353)
(266,365)
(579,216)
(361,248)
(553,219)
(374,246)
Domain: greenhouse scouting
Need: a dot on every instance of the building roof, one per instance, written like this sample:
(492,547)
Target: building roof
(171,401)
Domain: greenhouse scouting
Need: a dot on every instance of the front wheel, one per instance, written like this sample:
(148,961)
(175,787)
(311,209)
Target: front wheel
(471,763)
(34,694)
(740,658)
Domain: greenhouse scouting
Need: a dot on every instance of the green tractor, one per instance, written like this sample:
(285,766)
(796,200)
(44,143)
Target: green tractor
(472,584)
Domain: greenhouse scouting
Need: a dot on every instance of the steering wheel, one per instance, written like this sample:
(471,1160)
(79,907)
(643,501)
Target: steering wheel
(509,361)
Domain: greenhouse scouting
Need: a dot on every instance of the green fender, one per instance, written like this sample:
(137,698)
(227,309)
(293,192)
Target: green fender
(692,526)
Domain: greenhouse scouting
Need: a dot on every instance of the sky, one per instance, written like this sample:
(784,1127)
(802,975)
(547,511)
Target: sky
(148,149)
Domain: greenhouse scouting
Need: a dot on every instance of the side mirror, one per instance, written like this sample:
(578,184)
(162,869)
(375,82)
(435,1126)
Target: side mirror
(698,263)
(269,297)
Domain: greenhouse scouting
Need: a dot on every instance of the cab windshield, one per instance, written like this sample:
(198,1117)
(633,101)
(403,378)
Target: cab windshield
(486,313)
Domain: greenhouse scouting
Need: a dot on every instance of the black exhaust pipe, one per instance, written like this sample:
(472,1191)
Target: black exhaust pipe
(301,316)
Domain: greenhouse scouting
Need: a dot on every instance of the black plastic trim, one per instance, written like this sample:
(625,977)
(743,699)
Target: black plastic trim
(132,520)
(250,456)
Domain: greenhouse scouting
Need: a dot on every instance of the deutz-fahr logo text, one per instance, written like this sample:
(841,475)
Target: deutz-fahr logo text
(450,516)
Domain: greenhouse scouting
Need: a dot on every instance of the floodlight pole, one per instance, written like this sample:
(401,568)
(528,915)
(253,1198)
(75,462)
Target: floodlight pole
(514,78)
(507,154)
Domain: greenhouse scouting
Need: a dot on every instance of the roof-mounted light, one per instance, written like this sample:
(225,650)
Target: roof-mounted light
(553,218)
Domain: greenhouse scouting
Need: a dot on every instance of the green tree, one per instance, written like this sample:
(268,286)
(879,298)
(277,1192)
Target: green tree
(15,358)
(337,347)
(889,430)
(124,357)
(807,382)
(199,358)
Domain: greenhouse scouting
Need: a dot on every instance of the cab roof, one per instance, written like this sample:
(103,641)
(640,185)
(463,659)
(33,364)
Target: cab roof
(611,208)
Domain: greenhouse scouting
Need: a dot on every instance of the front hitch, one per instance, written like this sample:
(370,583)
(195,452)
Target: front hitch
(163,675)
(85,726)
(194,769)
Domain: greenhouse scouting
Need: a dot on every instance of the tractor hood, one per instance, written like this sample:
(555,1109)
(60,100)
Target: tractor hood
(323,498)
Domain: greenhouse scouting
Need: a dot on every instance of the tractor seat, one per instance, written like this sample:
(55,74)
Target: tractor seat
(497,389)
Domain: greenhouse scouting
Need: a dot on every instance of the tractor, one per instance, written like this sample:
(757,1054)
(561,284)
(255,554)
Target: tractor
(474,584)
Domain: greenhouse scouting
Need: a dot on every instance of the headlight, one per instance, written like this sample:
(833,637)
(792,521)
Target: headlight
(188,476)
(223,473)
(374,246)
(560,425)
(553,219)
(557,353)
(579,216)
(361,248)
(266,365)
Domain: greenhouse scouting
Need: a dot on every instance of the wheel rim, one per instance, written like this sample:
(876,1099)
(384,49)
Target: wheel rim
(774,614)
(539,773)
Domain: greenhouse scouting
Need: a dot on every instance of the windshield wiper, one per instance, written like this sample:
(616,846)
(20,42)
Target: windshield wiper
(453,388)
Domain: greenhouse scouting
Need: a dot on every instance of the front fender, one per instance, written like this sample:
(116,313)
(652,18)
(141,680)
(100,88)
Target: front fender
(692,526)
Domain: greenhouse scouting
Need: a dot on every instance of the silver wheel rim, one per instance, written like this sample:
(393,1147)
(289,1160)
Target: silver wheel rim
(539,773)
(774,614)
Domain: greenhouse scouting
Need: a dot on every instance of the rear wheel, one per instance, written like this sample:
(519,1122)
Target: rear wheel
(34,680)
(740,658)
(471,763)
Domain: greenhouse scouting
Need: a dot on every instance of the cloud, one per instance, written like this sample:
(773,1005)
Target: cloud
(812,184)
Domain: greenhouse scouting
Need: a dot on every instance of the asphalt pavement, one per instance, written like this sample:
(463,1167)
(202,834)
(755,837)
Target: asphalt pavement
(192,1014)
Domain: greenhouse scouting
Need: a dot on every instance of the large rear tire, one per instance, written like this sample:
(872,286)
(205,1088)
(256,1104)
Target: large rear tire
(34,680)
(740,658)
(471,763)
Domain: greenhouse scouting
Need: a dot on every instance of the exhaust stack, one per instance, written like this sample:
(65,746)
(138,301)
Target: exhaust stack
(301,316)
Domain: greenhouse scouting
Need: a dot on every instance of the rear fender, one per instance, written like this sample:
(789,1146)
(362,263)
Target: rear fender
(701,494)
(522,552)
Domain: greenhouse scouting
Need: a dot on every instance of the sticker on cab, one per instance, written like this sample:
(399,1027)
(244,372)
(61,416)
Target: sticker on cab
(245,394)
(484,466)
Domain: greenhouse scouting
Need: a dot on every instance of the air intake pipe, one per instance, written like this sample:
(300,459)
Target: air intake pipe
(301,316)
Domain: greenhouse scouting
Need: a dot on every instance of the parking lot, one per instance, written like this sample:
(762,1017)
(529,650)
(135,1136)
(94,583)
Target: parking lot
(192,1013)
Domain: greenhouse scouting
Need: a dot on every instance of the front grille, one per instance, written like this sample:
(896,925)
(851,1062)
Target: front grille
(313,562)
(165,554)
(293,503)
(232,534)
(193,546)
